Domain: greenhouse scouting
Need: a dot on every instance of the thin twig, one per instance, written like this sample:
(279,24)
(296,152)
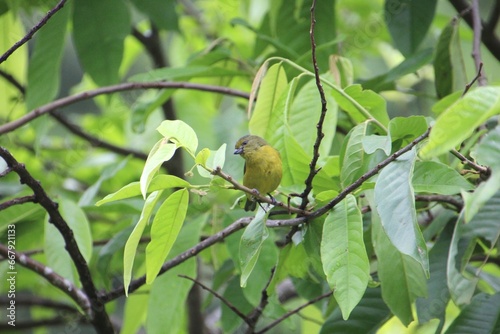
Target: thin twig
(478,75)
(260,197)
(218,296)
(94,141)
(96,313)
(294,311)
(476,44)
(16,201)
(11,126)
(481,169)
(13,81)
(254,316)
(33,30)
(319,127)
(442,199)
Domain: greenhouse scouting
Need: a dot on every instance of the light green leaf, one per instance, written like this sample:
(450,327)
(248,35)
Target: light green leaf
(251,244)
(271,88)
(202,157)
(136,308)
(408,22)
(161,152)
(214,159)
(169,292)
(438,178)
(44,66)
(179,133)
(159,182)
(133,240)
(165,228)
(372,143)
(395,204)
(460,120)
(343,254)
(405,129)
(99,37)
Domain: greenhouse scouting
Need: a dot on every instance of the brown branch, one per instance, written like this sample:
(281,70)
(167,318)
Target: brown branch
(94,141)
(218,296)
(97,314)
(16,201)
(488,37)
(13,81)
(476,43)
(294,311)
(32,32)
(11,126)
(319,127)
(52,277)
(442,199)
(478,75)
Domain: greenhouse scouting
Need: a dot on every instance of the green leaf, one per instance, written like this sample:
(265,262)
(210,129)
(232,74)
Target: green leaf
(305,113)
(395,204)
(165,228)
(202,157)
(409,65)
(114,246)
(487,152)
(372,102)
(251,244)
(159,182)
(449,68)
(402,278)
(438,178)
(145,105)
(133,240)
(161,12)
(233,294)
(99,37)
(179,133)
(44,66)
(434,306)
(343,254)
(271,88)
(108,173)
(57,257)
(480,316)
(161,152)
(78,223)
(365,318)
(403,130)
(460,120)
(353,158)
(136,308)
(408,22)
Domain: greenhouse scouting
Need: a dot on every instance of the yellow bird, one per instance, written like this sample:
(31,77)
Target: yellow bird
(263,167)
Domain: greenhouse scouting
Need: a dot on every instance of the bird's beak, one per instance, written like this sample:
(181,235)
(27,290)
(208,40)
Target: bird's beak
(238,150)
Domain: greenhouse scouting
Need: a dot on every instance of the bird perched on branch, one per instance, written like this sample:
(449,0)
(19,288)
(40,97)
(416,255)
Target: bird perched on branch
(263,167)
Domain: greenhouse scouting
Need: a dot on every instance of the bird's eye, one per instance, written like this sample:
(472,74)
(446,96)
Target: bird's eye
(245,142)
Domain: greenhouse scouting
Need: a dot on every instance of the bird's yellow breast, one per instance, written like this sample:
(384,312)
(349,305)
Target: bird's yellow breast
(263,169)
